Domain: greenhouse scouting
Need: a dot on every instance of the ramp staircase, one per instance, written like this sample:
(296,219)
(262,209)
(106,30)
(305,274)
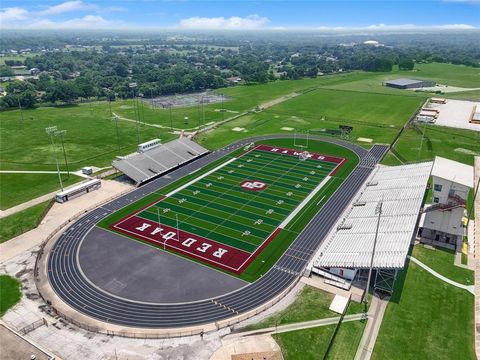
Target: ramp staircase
(332,279)
(454,202)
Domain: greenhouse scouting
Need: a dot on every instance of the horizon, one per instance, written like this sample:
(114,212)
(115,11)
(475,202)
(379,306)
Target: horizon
(328,16)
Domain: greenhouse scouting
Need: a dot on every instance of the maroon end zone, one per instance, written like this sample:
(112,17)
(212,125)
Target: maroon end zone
(209,251)
(292,152)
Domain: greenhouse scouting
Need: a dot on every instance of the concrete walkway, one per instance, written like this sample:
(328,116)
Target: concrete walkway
(469,288)
(27,204)
(297,326)
(58,215)
(369,338)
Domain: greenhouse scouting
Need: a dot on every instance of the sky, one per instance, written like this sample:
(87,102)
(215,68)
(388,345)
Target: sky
(341,15)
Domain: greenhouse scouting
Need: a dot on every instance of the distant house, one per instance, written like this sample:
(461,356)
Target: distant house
(34,71)
(234,79)
(408,83)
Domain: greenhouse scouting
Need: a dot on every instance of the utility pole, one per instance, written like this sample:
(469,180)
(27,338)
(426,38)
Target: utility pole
(61,133)
(378,211)
(50,131)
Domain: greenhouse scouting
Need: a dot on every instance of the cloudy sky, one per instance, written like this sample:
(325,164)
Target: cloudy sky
(240,15)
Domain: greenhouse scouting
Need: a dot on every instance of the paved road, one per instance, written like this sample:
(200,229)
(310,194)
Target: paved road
(71,286)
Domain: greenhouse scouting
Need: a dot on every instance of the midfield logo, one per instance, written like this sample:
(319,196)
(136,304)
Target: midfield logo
(253,185)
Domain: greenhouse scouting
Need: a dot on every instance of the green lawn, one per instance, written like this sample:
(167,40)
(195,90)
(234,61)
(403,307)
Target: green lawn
(446,74)
(455,144)
(9,293)
(310,304)
(22,221)
(442,261)
(374,116)
(426,319)
(91,137)
(18,188)
(312,343)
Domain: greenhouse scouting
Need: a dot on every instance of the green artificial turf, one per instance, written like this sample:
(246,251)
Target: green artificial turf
(225,229)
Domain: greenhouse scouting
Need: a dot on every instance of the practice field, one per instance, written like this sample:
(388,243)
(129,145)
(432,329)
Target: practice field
(228,216)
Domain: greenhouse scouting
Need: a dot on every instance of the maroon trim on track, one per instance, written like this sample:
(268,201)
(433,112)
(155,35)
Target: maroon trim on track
(137,211)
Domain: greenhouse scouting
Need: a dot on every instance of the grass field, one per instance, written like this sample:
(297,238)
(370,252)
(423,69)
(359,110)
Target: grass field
(426,319)
(310,304)
(250,225)
(375,116)
(442,261)
(18,188)
(446,74)
(22,221)
(9,293)
(311,344)
(455,144)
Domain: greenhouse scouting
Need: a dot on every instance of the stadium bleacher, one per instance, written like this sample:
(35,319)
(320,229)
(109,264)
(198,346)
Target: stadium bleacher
(152,163)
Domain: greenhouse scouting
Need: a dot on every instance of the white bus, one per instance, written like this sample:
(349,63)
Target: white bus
(78,190)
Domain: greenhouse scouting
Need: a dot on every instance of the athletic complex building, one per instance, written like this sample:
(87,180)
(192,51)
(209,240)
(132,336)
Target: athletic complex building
(212,238)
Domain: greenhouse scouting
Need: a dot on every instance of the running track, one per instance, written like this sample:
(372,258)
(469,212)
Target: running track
(70,285)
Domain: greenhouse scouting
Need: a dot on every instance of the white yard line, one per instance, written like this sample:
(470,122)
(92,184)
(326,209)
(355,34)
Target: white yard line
(200,177)
(304,202)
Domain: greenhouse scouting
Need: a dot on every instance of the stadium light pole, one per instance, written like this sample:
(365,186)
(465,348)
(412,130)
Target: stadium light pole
(50,131)
(378,211)
(61,133)
(135,108)
(115,119)
(223,110)
(421,141)
(170,110)
(19,104)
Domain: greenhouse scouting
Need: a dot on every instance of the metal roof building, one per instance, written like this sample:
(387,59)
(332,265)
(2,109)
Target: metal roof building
(159,160)
(404,83)
(401,190)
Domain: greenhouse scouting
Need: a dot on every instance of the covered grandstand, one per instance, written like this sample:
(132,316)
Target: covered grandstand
(392,199)
(147,165)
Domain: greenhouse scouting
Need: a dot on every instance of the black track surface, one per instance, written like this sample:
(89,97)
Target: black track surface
(71,286)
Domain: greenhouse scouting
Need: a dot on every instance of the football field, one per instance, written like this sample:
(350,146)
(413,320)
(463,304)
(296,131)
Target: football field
(228,215)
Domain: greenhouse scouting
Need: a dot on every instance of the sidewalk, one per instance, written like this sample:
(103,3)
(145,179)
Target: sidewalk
(375,318)
(469,288)
(26,205)
(59,214)
(296,326)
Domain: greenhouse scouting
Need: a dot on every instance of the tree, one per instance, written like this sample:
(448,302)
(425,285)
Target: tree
(406,64)
(61,91)
(6,71)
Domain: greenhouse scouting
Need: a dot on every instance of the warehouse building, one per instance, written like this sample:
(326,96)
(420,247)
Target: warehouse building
(408,83)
